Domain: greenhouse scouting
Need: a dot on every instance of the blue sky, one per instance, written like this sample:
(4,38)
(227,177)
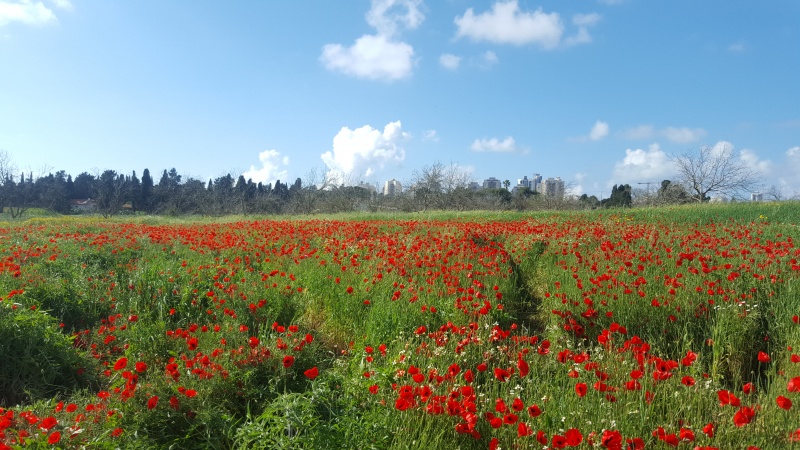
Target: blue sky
(596,92)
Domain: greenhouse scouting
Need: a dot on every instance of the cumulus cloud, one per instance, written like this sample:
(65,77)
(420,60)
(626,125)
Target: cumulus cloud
(643,165)
(389,16)
(449,61)
(380,56)
(359,154)
(599,131)
(683,135)
(495,145)
(273,167)
(506,24)
(371,57)
(26,12)
(754,162)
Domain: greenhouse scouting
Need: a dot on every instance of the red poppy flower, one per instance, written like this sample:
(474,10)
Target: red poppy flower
(793,385)
(482,367)
(121,363)
(541,437)
(573,437)
(502,374)
(534,411)
(523,367)
(517,405)
(709,430)
(174,403)
(580,389)
(727,398)
(686,434)
(687,381)
(558,441)
(253,342)
(288,361)
(311,373)
(743,416)
(48,423)
(748,388)
(783,402)
(763,357)
(191,393)
(524,430)
(141,366)
(152,402)
(54,438)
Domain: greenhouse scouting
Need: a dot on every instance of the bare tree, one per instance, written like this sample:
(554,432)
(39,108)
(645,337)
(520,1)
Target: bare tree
(715,170)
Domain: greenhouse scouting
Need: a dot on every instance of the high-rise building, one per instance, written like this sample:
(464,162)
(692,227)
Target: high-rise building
(554,187)
(492,183)
(536,183)
(392,187)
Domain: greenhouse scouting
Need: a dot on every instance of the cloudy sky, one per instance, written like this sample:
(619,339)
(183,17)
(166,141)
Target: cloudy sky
(596,92)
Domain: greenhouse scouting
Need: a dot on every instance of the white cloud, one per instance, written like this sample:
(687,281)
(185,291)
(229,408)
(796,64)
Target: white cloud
(643,165)
(506,24)
(27,12)
(683,135)
(754,162)
(583,21)
(722,148)
(430,135)
(273,167)
(380,56)
(507,145)
(640,132)
(793,154)
(387,16)
(599,131)
(449,61)
(360,153)
(371,57)
(63,4)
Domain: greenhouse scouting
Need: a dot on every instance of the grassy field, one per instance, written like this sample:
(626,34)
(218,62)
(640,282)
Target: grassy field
(643,328)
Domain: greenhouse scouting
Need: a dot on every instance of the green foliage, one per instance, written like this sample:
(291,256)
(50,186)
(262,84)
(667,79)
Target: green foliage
(38,361)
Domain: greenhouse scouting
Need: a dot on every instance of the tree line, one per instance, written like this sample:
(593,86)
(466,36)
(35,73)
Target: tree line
(437,186)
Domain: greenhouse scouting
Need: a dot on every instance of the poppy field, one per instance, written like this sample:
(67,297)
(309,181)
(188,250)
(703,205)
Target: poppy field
(630,329)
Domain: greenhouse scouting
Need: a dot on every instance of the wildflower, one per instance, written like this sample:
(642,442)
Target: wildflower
(784,402)
(311,373)
(54,438)
(743,416)
(121,363)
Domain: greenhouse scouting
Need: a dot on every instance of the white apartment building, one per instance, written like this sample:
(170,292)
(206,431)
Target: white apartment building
(392,187)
